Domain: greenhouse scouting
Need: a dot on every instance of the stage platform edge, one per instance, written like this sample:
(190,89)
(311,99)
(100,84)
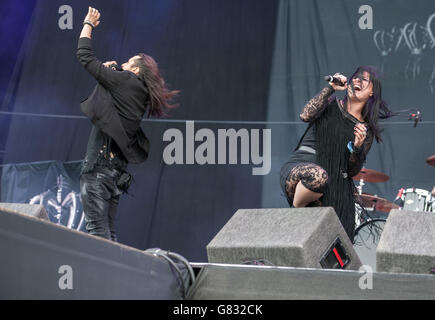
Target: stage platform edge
(252,282)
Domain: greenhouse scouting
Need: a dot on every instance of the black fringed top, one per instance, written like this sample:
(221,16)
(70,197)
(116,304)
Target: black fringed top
(333,127)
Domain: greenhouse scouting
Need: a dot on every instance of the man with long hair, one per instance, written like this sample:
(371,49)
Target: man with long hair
(335,144)
(115,108)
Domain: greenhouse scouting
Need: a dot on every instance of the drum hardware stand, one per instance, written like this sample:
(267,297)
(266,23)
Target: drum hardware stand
(369,203)
(358,208)
(360,186)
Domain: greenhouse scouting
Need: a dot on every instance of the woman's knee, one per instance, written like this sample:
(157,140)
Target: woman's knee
(316,179)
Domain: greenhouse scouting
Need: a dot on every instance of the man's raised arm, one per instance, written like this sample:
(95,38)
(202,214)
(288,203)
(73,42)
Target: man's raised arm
(102,73)
(92,20)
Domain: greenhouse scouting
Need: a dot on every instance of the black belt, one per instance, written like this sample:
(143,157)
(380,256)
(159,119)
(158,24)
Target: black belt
(111,172)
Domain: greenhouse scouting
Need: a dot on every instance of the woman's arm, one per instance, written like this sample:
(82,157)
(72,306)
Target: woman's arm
(316,105)
(358,156)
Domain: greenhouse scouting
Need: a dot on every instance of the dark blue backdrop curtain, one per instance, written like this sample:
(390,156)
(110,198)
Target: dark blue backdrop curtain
(16,18)
(239,64)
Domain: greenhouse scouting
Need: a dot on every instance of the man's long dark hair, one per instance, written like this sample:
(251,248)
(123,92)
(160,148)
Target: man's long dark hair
(160,95)
(376,108)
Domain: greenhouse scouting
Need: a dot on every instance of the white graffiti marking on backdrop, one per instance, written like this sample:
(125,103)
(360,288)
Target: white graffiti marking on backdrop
(63,205)
(417,39)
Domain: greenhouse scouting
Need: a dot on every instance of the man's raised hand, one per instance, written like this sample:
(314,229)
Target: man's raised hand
(93,17)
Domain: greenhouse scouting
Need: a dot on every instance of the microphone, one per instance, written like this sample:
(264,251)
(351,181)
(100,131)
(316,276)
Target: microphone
(334,80)
(117,68)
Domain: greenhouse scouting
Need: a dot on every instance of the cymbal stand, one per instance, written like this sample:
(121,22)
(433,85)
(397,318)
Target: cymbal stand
(358,208)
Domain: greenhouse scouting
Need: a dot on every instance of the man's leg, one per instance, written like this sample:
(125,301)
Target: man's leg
(112,214)
(95,200)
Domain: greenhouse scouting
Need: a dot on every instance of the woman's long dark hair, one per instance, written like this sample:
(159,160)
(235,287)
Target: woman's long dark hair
(376,108)
(160,95)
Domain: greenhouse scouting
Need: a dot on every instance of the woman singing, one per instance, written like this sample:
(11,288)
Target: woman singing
(335,145)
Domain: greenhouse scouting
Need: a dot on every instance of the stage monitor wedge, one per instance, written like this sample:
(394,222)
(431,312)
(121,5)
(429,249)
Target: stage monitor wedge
(407,243)
(293,237)
(33,210)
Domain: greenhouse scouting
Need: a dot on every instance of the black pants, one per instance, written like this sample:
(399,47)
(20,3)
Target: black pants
(100,196)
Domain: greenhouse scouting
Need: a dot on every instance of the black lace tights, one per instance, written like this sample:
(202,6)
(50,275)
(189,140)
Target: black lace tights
(312,176)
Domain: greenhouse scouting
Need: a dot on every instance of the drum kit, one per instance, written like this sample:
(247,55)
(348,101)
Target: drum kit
(412,199)
(371,203)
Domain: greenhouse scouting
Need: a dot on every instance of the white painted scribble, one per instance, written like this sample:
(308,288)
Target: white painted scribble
(417,39)
(63,204)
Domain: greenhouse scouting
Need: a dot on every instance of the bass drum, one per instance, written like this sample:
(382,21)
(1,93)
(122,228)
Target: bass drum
(366,239)
(417,200)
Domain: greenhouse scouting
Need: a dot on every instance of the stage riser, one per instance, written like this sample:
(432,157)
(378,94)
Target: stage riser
(216,282)
(39,258)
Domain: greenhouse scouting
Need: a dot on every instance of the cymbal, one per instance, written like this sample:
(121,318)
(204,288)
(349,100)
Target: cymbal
(371,175)
(431,160)
(377,203)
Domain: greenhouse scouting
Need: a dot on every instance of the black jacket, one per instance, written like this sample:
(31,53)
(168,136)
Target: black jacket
(117,104)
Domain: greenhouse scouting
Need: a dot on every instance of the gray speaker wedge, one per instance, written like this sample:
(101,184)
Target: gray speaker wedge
(407,243)
(33,210)
(293,237)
